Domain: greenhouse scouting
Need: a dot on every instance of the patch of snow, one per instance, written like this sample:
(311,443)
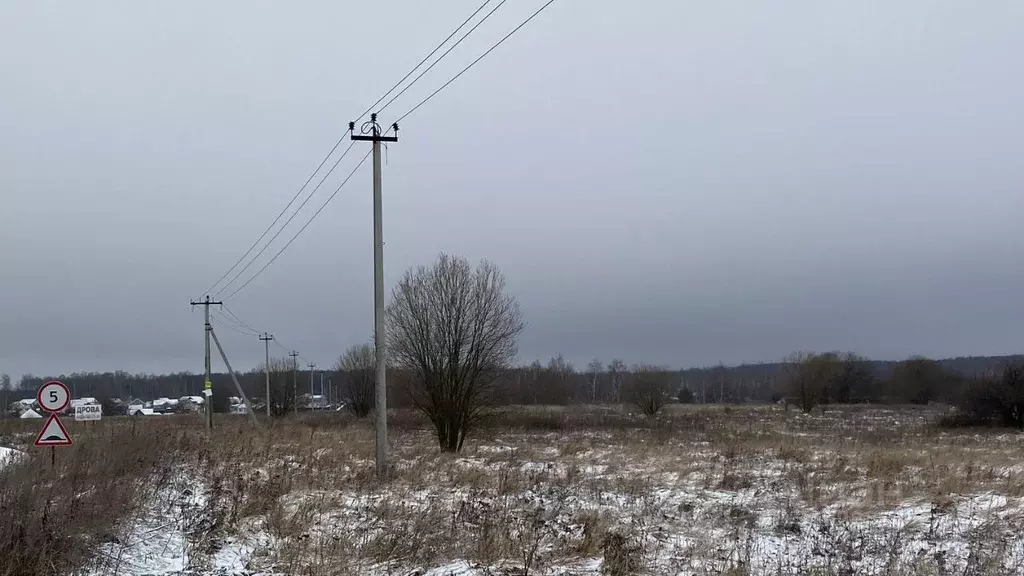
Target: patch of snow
(459,568)
(495,449)
(159,540)
(9,456)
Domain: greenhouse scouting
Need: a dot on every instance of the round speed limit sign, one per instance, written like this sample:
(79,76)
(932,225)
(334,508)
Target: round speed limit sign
(53,396)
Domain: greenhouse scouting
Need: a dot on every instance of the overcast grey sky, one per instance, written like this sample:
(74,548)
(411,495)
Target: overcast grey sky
(662,181)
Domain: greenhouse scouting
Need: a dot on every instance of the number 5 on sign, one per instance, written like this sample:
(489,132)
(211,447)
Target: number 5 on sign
(53,396)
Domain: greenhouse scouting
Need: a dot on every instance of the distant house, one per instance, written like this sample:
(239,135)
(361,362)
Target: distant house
(18,407)
(191,404)
(239,408)
(29,414)
(116,407)
(138,410)
(313,402)
(164,405)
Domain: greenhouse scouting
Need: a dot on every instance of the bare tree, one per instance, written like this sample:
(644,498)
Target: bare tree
(650,388)
(282,390)
(920,380)
(721,376)
(356,367)
(536,370)
(454,330)
(561,372)
(855,380)
(995,399)
(594,370)
(808,378)
(561,368)
(616,372)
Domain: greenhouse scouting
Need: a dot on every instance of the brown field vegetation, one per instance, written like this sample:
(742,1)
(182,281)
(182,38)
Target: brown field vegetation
(566,490)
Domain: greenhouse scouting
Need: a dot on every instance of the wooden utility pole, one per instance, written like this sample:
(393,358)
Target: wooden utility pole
(207,382)
(371,133)
(266,338)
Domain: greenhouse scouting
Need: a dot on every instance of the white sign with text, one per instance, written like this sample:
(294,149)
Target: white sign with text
(88,412)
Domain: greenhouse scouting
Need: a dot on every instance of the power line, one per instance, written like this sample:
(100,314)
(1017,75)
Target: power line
(237,325)
(278,218)
(308,222)
(227,322)
(287,222)
(287,349)
(425,58)
(338,143)
(473,63)
(446,52)
(239,320)
(223,321)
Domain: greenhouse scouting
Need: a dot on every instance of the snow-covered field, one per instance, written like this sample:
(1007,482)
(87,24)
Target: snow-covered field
(703,491)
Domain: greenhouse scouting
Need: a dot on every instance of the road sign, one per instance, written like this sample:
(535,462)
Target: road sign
(53,396)
(88,412)
(53,433)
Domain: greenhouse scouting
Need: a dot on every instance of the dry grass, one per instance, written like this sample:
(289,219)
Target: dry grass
(54,515)
(582,490)
(577,488)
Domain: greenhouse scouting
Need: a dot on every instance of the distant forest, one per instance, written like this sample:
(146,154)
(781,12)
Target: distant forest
(558,382)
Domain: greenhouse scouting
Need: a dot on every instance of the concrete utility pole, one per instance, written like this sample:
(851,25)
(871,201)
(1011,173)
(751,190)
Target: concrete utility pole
(234,378)
(207,383)
(371,133)
(266,338)
(295,380)
(311,367)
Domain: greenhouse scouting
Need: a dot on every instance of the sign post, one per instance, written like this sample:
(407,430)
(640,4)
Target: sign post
(53,397)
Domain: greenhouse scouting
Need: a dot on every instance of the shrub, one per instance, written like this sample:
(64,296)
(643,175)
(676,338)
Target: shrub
(686,396)
(807,378)
(920,380)
(649,389)
(992,401)
(622,555)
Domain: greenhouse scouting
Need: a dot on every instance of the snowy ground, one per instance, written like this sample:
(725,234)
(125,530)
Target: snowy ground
(9,455)
(748,491)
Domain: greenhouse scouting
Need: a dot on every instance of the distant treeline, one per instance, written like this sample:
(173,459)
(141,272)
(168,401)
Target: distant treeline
(559,382)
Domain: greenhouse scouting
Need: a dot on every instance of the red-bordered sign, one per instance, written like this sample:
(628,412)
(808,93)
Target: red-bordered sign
(53,396)
(53,433)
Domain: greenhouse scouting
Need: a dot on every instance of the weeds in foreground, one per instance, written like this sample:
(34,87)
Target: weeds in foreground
(53,518)
(697,490)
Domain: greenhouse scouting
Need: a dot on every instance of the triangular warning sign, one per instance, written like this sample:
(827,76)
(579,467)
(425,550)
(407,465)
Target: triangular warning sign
(53,433)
